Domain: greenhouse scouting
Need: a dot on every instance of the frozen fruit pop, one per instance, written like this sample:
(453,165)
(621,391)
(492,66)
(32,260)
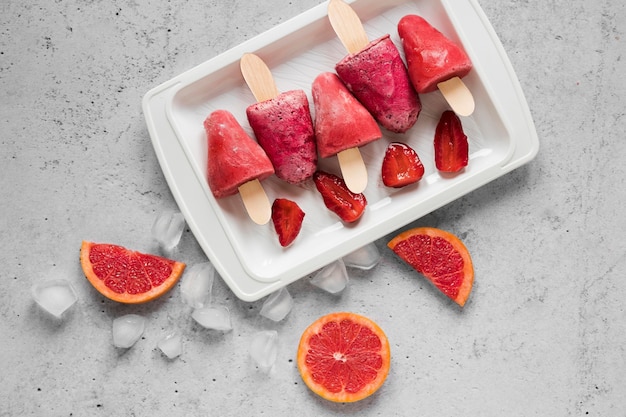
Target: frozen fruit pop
(378,78)
(341,121)
(434,61)
(281,123)
(236,163)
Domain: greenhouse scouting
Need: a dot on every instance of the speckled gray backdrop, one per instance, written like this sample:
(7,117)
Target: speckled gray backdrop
(542,335)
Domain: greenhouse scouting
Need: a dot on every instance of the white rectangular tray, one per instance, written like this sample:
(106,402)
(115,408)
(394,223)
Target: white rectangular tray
(247,256)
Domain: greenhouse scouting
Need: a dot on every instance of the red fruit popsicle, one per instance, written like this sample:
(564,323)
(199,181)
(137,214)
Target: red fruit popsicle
(236,162)
(341,122)
(433,60)
(378,78)
(284,128)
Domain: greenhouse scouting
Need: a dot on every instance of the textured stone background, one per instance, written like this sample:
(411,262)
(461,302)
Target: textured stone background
(542,335)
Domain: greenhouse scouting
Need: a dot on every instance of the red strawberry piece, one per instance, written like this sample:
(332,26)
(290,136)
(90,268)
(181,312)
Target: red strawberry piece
(287,217)
(451,147)
(401,165)
(338,198)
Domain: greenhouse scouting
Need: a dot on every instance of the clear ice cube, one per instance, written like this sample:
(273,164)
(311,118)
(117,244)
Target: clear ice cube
(264,348)
(197,283)
(215,318)
(366,257)
(333,278)
(277,305)
(167,228)
(54,296)
(127,330)
(171,344)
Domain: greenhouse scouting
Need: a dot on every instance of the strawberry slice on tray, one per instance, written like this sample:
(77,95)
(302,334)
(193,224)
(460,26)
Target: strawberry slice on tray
(287,217)
(451,146)
(338,198)
(401,166)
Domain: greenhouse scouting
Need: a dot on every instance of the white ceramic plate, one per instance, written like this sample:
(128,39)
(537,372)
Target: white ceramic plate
(247,256)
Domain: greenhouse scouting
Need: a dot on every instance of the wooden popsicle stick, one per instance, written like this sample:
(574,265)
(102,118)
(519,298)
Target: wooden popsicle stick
(347,26)
(258,77)
(458,96)
(261,83)
(350,31)
(353,169)
(256,202)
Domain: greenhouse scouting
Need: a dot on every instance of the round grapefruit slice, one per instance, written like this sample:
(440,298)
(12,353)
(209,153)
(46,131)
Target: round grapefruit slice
(128,276)
(343,357)
(439,256)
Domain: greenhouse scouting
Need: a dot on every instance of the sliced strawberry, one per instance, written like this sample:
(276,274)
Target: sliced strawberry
(401,166)
(338,198)
(451,147)
(287,217)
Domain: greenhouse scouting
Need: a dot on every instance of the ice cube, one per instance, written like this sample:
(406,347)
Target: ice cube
(366,257)
(277,305)
(55,296)
(171,344)
(264,348)
(333,278)
(167,228)
(215,317)
(197,283)
(127,330)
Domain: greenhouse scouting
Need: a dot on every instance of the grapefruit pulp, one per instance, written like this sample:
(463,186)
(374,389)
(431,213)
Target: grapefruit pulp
(344,357)
(128,276)
(439,256)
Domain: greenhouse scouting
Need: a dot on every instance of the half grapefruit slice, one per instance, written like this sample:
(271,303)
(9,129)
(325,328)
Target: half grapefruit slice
(343,357)
(439,256)
(128,276)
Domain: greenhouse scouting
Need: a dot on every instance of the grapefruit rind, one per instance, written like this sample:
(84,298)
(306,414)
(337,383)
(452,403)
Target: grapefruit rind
(468,268)
(124,297)
(343,396)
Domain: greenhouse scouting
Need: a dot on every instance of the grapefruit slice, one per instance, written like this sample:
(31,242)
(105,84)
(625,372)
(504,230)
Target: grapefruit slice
(343,357)
(128,276)
(439,256)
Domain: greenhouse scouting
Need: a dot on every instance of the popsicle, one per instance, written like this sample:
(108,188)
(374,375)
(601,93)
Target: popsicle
(436,62)
(378,78)
(236,163)
(342,124)
(281,122)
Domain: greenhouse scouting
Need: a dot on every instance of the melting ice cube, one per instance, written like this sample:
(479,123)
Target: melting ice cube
(197,283)
(171,344)
(264,348)
(168,228)
(55,296)
(216,318)
(127,330)
(366,257)
(333,278)
(277,305)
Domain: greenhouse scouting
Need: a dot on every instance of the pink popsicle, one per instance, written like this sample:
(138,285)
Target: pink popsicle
(234,158)
(431,57)
(341,122)
(378,78)
(284,128)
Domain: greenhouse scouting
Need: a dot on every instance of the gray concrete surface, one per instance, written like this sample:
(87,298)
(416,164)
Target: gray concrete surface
(542,335)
